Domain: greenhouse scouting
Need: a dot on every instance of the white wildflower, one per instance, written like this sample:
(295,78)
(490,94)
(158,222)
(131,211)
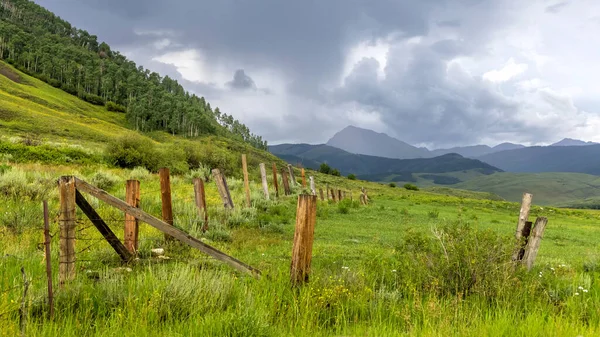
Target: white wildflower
(576,294)
(585,290)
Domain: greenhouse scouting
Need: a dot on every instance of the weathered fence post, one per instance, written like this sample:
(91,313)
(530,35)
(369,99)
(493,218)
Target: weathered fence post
(48,259)
(275,182)
(333,195)
(132,198)
(306,216)
(68,221)
(165,194)
(321,193)
(340,197)
(292,177)
(222,187)
(246,181)
(200,197)
(263,176)
(303,178)
(534,241)
(286,183)
(312,185)
(523,216)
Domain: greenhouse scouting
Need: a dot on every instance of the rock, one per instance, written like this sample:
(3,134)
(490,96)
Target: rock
(158,252)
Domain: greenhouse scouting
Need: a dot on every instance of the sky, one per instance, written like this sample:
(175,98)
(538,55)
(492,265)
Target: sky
(435,73)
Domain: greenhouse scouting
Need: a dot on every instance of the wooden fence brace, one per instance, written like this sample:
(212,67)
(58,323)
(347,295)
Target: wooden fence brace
(534,241)
(200,198)
(165,227)
(102,227)
(293,181)
(286,183)
(321,194)
(303,178)
(275,182)
(312,185)
(306,215)
(223,189)
(165,194)
(48,259)
(523,217)
(246,180)
(67,221)
(263,176)
(132,197)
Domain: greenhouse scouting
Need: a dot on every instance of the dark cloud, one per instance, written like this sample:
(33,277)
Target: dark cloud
(557,7)
(241,81)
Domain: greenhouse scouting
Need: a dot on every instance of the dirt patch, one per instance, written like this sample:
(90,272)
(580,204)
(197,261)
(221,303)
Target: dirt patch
(10,74)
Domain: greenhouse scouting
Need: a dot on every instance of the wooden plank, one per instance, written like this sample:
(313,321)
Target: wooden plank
(166,228)
(534,241)
(132,197)
(67,221)
(275,182)
(200,198)
(246,180)
(102,227)
(221,183)
(263,176)
(306,217)
(165,194)
(523,217)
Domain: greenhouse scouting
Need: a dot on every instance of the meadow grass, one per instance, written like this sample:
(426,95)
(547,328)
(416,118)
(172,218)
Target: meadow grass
(377,270)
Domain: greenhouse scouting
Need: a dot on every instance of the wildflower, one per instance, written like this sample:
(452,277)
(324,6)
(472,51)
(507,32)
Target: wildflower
(393,271)
(585,290)
(580,288)
(576,294)
(346,268)
(552,269)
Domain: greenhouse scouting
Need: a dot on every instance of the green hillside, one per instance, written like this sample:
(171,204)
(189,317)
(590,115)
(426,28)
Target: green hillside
(548,188)
(41,123)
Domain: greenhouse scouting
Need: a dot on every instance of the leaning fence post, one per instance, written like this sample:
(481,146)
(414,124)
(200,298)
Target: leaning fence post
(263,176)
(306,216)
(246,181)
(132,198)
(200,197)
(165,193)
(523,216)
(48,259)
(275,180)
(223,189)
(67,220)
(535,239)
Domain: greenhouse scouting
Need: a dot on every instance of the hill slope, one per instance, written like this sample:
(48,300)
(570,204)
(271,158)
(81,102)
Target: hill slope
(581,159)
(371,167)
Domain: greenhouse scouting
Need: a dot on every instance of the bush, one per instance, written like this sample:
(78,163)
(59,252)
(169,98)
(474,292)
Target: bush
(17,185)
(411,187)
(458,259)
(351,176)
(335,172)
(104,180)
(324,168)
(202,172)
(131,151)
(139,173)
(392,185)
(112,106)
(94,99)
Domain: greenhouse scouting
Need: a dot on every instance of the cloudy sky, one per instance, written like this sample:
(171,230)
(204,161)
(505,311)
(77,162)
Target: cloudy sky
(437,73)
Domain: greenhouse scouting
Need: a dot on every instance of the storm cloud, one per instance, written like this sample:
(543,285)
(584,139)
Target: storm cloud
(431,72)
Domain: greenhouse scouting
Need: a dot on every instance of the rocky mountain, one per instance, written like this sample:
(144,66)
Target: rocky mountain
(572,142)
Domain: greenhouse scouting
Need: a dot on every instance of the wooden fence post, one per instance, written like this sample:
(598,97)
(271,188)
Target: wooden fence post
(200,197)
(292,177)
(68,221)
(306,216)
(223,189)
(263,176)
(303,178)
(48,259)
(275,182)
(321,193)
(333,195)
(246,181)
(132,198)
(340,197)
(534,241)
(312,185)
(165,194)
(523,216)
(286,183)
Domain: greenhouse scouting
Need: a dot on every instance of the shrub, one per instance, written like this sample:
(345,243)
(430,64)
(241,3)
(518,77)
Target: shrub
(16,184)
(351,176)
(392,185)
(433,214)
(411,187)
(131,151)
(139,173)
(111,106)
(324,168)
(335,172)
(104,180)
(94,99)
(202,172)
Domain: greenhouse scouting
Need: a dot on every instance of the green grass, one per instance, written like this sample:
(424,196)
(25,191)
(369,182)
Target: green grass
(547,188)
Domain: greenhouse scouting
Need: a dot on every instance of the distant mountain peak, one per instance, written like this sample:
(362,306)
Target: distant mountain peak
(572,142)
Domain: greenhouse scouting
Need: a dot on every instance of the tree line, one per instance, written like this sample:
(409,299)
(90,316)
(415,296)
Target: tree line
(39,43)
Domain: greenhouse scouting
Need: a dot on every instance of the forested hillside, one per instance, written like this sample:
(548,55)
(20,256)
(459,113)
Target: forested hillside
(41,44)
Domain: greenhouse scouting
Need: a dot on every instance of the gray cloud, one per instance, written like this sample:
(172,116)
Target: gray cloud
(426,86)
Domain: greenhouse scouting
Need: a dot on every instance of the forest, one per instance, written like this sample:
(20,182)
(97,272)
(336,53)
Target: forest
(41,44)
